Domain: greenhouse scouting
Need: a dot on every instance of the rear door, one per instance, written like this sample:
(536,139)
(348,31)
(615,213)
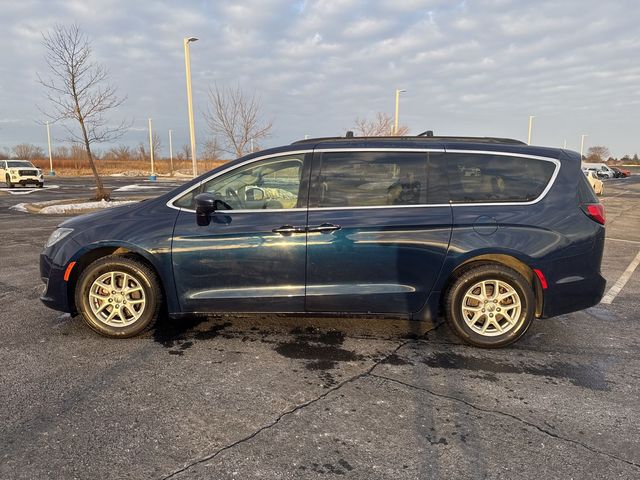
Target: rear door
(379,225)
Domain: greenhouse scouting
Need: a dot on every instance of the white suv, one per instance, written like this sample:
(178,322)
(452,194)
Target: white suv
(21,172)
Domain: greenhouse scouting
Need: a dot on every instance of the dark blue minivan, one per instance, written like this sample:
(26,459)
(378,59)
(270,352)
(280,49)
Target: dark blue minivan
(488,232)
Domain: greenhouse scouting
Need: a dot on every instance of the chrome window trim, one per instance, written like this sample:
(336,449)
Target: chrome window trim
(222,172)
(550,183)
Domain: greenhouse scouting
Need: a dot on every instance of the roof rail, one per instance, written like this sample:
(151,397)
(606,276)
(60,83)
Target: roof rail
(423,137)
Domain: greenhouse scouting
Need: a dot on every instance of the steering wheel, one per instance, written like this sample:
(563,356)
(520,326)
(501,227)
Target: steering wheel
(232,193)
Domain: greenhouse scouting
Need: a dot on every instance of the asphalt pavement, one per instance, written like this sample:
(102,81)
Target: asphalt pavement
(280,397)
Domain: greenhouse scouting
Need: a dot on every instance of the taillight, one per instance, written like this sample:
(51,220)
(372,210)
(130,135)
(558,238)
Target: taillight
(595,211)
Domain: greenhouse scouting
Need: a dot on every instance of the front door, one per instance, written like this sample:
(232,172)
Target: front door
(250,257)
(379,227)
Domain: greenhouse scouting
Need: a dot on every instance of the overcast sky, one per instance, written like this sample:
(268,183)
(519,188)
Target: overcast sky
(469,68)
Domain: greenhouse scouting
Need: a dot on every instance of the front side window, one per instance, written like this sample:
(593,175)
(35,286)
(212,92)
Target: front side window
(273,183)
(368,179)
(476,178)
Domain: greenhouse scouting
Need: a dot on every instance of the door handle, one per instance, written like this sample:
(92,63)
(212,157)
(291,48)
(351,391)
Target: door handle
(288,230)
(324,228)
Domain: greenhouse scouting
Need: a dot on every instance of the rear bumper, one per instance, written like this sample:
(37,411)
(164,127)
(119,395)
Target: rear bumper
(573,294)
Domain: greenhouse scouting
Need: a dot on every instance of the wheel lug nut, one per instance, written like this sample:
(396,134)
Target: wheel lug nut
(498,309)
(491,314)
(495,301)
(483,309)
(110,300)
(113,292)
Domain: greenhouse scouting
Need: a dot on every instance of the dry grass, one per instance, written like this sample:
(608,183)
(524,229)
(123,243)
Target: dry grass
(70,166)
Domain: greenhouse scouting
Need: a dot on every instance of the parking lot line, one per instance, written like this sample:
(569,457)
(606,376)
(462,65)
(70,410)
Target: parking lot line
(622,240)
(622,281)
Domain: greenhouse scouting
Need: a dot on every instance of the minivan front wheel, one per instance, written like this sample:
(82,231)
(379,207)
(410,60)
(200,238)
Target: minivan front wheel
(490,306)
(118,297)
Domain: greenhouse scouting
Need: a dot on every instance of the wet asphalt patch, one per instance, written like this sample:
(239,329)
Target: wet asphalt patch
(586,376)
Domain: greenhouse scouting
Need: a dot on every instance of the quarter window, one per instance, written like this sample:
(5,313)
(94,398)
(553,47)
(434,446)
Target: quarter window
(496,178)
(267,184)
(366,179)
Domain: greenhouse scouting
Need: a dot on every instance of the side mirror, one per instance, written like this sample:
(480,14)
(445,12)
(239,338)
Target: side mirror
(205,205)
(255,194)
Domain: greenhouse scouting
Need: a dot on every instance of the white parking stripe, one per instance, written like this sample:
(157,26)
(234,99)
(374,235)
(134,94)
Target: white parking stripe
(622,281)
(622,240)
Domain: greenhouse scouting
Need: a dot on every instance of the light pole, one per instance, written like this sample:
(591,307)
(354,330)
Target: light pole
(152,177)
(395,122)
(582,137)
(170,152)
(531,117)
(565,144)
(192,133)
(51,172)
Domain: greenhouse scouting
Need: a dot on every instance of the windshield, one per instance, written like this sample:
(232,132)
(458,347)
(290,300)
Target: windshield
(19,164)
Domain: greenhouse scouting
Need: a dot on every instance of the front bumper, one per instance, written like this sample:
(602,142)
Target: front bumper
(55,293)
(27,180)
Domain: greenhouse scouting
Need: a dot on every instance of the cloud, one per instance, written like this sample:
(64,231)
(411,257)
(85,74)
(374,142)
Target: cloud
(469,67)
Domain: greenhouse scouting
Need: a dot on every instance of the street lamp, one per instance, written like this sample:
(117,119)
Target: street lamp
(582,137)
(51,172)
(171,152)
(152,177)
(531,117)
(192,133)
(395,123)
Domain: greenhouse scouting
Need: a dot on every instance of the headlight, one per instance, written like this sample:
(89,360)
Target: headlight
(57,235)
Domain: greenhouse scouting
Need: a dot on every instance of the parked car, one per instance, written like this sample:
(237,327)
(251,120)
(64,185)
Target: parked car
(594,181)
(20,172)
(601,175)
(621,173)
(604,171)
(388,226)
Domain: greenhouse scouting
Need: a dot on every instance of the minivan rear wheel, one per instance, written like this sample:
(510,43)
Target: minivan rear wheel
(490,306)
(118,297)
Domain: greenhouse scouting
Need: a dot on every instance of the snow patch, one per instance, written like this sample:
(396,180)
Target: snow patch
(135,187)
(20,207)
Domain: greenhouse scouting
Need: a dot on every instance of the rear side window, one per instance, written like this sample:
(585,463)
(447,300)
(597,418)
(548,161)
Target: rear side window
(369,179)
(496,178)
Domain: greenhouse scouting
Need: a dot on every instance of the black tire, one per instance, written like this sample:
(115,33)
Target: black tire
(465,284)
(7,180)
(140,273)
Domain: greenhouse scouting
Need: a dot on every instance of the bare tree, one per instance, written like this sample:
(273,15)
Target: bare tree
(27,151)
(142,154)
(156,143)
(381,126)
(184,153)
(120,153)
(78,89)
(235,119)
(597,154)
(210,150)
